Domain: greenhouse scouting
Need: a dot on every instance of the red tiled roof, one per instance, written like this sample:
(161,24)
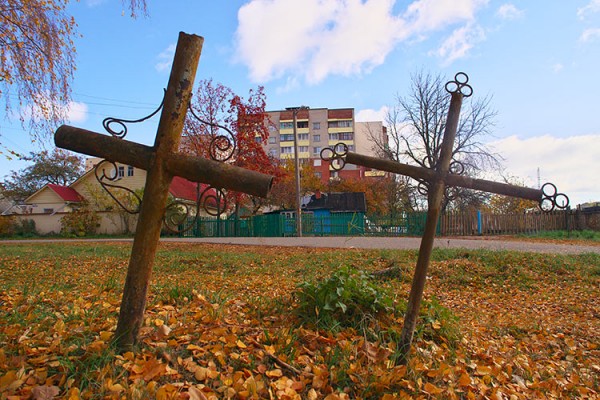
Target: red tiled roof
(66,193)
(183,189)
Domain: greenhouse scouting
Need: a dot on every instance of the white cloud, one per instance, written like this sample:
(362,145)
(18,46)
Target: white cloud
(459,43)
(77,112)
(429,15)
(589,35)
(509,11)
(165,59)
(368,115)
(556,68)
(45,108)
(343,37)
(592,7)
(571,163)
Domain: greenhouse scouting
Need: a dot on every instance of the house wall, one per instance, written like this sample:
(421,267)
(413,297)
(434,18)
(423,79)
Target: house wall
(46,199)
(89,181)
(110,223)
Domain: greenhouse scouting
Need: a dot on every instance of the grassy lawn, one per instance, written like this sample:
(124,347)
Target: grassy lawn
(228,322)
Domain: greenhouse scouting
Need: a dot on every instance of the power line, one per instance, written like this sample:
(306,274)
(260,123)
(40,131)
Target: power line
(109,99)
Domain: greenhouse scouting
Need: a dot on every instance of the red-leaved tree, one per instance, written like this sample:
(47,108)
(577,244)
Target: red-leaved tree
(219,115)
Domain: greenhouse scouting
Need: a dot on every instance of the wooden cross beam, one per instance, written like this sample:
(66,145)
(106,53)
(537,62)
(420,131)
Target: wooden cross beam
(437,180)
(162,162)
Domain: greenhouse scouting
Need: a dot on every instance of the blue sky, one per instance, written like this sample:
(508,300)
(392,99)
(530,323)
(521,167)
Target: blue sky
(538,60)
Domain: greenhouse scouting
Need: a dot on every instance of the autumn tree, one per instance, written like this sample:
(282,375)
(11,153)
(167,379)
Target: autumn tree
(385,196)
(283,194)
(226,127)
(60,167)
(37,60)
(416,125)
(507,204)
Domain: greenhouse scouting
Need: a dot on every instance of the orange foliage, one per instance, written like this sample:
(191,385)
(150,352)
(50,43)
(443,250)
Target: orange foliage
(218,325)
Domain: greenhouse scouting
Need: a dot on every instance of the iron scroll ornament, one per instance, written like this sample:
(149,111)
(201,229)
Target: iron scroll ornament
(212,200)
(103,178)
(107,122)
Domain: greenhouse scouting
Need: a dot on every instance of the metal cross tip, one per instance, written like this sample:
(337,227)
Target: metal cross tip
(460,85)
(551,199)
(336,156)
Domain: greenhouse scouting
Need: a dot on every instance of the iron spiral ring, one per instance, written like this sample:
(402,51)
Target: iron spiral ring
(336,158)
(551,199)
(460,85)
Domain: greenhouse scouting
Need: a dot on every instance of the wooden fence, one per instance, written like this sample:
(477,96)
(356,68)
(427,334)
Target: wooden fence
(479,223)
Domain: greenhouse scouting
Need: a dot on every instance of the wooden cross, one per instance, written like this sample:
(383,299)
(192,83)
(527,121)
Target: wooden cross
(162,162)
(437,180)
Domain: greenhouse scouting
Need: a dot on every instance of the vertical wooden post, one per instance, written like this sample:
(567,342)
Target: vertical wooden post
(435,197)
(177,97)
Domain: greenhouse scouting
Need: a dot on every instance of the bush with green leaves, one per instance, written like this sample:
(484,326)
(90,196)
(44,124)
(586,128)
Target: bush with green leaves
(25,228)
(346,299)
(81,222)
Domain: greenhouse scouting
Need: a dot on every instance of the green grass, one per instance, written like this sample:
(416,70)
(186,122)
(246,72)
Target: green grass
(588,235)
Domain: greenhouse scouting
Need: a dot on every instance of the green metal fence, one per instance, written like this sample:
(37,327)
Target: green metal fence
(320,223)
(313,224)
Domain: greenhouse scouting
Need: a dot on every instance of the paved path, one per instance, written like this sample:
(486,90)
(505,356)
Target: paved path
(402,243)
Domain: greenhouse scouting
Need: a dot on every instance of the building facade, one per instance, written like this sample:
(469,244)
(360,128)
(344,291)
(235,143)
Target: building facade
(317,129)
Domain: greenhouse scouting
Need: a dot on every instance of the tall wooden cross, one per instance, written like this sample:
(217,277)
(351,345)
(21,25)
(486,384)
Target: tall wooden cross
(437,180)
(162,162)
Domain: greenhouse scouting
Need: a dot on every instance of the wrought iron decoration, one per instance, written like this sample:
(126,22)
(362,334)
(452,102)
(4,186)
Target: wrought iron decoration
(212,200)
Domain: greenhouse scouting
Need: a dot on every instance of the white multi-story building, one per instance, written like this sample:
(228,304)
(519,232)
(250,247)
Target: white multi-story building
(319,128)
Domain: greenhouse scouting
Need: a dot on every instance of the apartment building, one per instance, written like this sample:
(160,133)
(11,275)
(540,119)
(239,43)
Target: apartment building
(319,128)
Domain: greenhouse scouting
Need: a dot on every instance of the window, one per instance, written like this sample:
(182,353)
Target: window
(317,162)
(350,147)
(258,139)
(316,138)
(129,170)
(287,150)
(345,136)
(316,150)
(272,128)
(316,126)
(303,136)
(302,124)
(48,210)
(302,149)
(273,152)
(333,136)
(286,138)
(318,174)
(286,125)
(272,140)
(121,172)
(339,124)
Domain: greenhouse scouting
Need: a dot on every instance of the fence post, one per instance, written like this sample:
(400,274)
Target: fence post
(479,231)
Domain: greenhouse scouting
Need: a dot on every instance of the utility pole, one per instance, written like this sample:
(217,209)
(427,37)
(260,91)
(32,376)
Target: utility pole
(294,111)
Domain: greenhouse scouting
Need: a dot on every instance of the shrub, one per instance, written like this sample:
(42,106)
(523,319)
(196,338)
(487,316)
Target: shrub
(346,299)
(8,226)
(26,228)
(81,222)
